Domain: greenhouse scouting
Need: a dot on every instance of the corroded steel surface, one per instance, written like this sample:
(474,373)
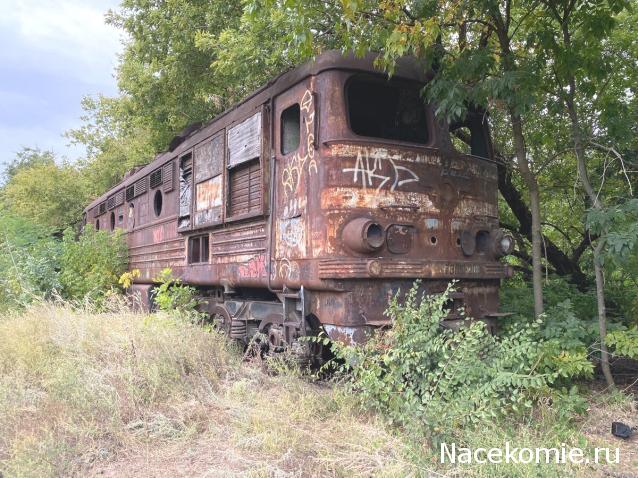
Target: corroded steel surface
(428,203)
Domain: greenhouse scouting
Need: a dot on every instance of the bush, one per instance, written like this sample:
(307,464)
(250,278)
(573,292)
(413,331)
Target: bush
(172,296)
(92,264)
(421,375)
(29,265)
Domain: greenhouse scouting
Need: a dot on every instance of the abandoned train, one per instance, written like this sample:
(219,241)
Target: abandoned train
(313,201)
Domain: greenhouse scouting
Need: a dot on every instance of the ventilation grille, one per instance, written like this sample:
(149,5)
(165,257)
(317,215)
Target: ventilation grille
(245,189)
(130,193)
(116,200)
(102,209)
(141,186)
(119,198)
(168,177)
(156,178)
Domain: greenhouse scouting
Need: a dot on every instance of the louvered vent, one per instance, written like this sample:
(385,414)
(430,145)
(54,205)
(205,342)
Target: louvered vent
(141,186)
(168,176)
(156,178)
(110,203)
(130,193)
(119,198)
(245,189)
(102,208)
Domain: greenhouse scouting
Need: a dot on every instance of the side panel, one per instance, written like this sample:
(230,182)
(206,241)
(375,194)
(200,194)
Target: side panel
(296,186)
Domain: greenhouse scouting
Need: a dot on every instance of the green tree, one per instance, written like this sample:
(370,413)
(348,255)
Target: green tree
(46,193)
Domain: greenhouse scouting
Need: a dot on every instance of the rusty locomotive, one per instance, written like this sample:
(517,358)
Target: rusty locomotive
(311,202)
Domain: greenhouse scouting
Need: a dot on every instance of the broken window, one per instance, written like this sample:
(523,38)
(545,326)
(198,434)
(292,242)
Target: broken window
(471,136)
(385,109)
(198,249)
(208,165)
(185,191)
(290,128)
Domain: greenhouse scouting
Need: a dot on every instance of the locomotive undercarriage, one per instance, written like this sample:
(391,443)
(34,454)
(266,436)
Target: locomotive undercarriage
(277,321)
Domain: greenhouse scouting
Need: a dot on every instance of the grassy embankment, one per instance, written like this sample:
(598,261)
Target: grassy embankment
(123,394)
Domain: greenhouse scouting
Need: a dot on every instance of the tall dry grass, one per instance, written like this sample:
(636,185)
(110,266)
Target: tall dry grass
(124,394)
(76,385)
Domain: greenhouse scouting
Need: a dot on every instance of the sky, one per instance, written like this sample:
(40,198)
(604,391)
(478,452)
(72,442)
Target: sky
(52,54)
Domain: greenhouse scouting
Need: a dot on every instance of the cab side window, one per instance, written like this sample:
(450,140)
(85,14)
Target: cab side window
(290,127)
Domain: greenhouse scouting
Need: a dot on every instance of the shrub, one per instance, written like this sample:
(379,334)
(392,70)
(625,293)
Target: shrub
(624,342)
(172,296)
(29,256)
(419,374)
(565,341)
(92,264)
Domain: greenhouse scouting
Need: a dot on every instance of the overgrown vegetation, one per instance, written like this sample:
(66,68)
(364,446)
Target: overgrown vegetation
(171,295)
(37,264)
(116,393)
(437,380)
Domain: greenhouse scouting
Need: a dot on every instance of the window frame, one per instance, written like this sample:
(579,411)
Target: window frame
(265,141)
(281,130)
(381,80)
(201,250)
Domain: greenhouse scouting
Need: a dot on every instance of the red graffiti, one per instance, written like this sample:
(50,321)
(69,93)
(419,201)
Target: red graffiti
(254,268)
(158,234)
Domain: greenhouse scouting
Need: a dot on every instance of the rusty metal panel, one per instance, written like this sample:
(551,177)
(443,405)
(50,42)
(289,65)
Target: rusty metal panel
(169,173)
(209,158)
(244,140)
(399,238)
(208,201)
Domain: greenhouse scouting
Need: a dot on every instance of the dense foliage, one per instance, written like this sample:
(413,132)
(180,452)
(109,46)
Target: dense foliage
(436,380)
(37,264)
(421,375)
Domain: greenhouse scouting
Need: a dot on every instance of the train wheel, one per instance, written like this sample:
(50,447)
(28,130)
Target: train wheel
(220,318)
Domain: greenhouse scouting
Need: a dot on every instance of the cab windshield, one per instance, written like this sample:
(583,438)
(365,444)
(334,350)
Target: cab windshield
(392,110)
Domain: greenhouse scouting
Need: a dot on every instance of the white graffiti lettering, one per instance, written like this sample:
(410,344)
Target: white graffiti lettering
(368,169)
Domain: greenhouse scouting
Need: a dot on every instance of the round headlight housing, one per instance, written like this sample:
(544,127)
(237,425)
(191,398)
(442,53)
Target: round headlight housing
(503,243)
(363,235)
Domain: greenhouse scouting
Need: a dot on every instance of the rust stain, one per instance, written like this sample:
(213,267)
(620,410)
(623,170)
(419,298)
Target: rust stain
(209,194)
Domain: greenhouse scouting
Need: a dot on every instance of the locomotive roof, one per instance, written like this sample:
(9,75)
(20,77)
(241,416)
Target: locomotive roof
(407,68)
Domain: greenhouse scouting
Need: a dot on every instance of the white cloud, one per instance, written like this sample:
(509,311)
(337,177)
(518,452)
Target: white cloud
(66,37)
(53,53)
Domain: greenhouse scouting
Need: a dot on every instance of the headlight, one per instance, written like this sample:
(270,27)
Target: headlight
(503,243)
